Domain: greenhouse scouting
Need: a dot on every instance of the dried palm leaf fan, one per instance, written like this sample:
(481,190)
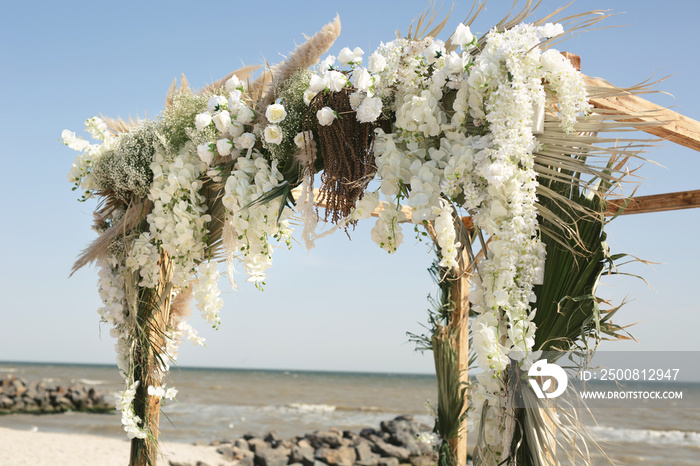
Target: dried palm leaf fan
(346,146)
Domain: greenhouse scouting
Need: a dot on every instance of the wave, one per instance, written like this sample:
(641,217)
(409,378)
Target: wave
(311,408)
(91,382)
(654,437)
(8,369)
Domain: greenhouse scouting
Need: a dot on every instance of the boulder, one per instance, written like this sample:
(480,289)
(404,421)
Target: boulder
(343,456)
(269,456)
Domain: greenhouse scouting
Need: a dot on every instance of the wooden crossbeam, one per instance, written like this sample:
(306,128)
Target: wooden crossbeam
(656,203)
(672,126)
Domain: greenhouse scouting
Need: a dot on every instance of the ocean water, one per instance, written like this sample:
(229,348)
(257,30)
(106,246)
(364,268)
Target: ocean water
(217,404)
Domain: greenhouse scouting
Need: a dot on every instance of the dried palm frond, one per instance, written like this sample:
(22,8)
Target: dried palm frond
(424,21)
(304,56)
(184,86)
(99,249)
(243,74)
(118,125)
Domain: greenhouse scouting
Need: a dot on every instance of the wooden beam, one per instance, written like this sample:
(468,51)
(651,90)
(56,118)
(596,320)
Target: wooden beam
(656,203)
(671,126)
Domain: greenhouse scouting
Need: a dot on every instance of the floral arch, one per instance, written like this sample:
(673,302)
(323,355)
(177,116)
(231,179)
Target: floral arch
(488,145)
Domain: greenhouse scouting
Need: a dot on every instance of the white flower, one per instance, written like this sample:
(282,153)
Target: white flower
(347,56)
(245,115)
(73,141)
(369,110)
(462,36)
(309,95)
(377,62)
(275,113)
(170,393)
(204,152)
(222,120)
(233,83)
(326,116)
(551,30)
(356,99)
(327,63)
(273,134)
(234,100)
(245,141)
(217,102)
(317,84)
(156,391)
(303,139)
(223,146)
(202,120)
(336,81)
(363,80)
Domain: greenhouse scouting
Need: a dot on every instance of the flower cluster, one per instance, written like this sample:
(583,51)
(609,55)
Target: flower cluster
(367,106)
(252,227)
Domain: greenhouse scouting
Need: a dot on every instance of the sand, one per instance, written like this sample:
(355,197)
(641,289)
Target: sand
(22,447)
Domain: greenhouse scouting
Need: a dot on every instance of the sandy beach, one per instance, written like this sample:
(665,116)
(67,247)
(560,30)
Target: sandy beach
(22,447)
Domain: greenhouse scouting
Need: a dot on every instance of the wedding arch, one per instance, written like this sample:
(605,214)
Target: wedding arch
(497,147)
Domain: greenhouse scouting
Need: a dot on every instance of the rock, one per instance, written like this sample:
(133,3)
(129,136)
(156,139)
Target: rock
(201,463)
(179,463)
(329,438)
(367,432)
(273,439)
(343,456)
(319,463)
(368,462)
(303,443)
(241,444)
(302,454)
(388,450)
(226,451)
(423,460)
(364,452)
(256,444)
(6,402)
(271,456)
(388,462)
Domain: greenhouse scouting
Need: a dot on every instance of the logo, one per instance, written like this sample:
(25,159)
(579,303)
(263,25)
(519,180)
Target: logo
(546,372)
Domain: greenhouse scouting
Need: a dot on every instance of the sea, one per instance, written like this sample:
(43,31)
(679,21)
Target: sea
(218,404)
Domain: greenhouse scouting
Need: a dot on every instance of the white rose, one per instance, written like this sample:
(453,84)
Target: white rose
(217,102)
(325,116)
(273,134)
(335,80)
(245,115)
(245,141)
(222,120)
(233,83)
(275,113)
(309,96)
(235,130)
(317,84)
(303,139)
(345,56)
(363,80)
(234,99)
(369,110)
(462,36)
(434,51)
(202,120)
(377,62)
(223,146)
(327,63)
(205,153)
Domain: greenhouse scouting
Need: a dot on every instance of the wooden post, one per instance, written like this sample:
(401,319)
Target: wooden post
(459,321)
(154,313)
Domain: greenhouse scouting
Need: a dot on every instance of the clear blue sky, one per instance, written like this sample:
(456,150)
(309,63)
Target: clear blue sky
(345,305)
